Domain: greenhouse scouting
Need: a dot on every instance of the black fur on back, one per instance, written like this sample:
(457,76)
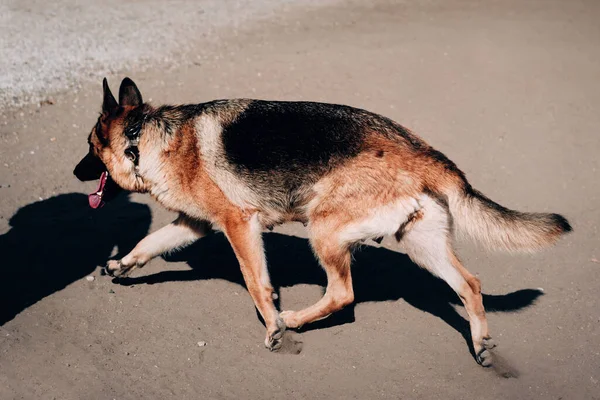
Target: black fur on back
(292,136)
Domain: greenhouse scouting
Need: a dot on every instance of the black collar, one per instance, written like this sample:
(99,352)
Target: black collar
(133,132)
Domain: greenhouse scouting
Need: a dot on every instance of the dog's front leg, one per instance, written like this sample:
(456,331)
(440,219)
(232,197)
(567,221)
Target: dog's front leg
(244,234)
(180,233)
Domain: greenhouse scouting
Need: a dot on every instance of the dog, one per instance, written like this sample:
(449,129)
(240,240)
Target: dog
(349,175)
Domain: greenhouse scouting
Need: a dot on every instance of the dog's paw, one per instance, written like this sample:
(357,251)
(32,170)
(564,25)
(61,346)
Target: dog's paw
(484,354)
(283,341)
(289,317)
(274,339)
(116,269)
(484,357)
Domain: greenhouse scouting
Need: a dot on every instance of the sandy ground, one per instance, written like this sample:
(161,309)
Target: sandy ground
(510,90)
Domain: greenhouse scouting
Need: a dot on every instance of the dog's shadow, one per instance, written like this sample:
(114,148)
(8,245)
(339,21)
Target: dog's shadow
(54,242)
(378,274)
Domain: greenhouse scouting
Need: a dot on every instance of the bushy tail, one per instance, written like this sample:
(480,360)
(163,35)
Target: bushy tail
(498,227)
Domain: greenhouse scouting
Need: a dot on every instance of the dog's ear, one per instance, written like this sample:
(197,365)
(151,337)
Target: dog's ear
(129,95)
(109,104)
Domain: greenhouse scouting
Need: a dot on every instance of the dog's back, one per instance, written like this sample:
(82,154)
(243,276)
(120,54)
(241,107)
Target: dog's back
(281,149)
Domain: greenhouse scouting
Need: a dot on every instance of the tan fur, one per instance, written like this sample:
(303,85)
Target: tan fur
(208,130)
(244,234)
(179,233)
(528,232)
(228,110)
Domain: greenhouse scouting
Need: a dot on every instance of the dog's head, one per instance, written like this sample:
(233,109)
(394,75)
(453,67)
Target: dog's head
(112,155)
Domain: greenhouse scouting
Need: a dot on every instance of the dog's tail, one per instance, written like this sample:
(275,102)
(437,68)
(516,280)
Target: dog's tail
(498,227)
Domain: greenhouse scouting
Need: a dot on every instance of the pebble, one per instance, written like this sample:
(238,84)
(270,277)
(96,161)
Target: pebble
(201,344)
(89,278)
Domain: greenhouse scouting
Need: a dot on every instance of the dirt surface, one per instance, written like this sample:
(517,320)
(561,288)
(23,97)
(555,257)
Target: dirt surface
(509,90)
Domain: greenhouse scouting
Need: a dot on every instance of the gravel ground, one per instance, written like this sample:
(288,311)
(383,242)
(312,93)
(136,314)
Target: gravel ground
(49,46)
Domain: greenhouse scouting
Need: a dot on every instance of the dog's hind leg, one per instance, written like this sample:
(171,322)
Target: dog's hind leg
(335,258)
(245,235)
(427,243)
(180,233)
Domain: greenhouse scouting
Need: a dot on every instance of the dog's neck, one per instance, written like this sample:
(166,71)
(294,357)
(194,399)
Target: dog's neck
(157,126)
(142,126)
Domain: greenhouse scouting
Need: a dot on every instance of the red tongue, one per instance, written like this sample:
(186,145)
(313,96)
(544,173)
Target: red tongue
(95,199)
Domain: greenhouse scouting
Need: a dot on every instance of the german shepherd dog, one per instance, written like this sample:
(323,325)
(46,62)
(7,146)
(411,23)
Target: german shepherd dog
(349,175)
